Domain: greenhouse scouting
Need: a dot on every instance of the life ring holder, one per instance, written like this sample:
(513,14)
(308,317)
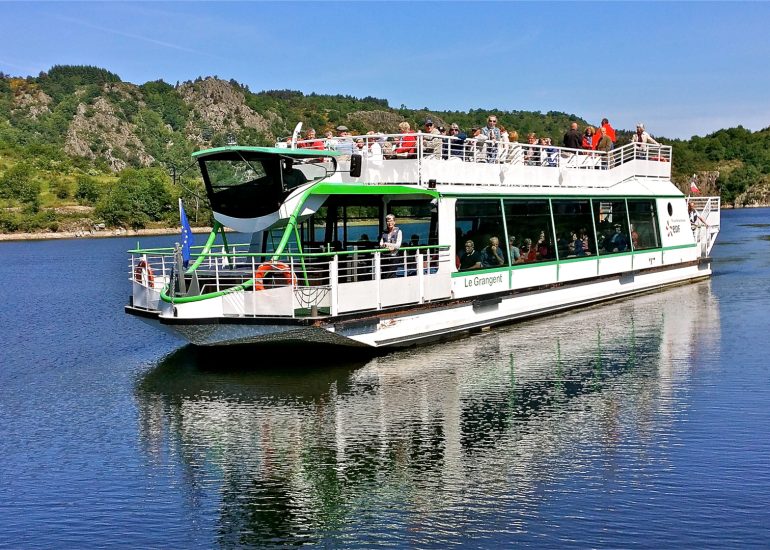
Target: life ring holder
(142,268)
(273,266)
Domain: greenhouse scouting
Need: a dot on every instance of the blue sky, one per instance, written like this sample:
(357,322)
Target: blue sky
(682,68)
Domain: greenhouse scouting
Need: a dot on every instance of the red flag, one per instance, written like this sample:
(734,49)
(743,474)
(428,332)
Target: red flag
(693,187)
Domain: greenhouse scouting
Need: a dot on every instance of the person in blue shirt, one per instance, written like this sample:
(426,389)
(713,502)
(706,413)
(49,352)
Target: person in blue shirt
(617,242)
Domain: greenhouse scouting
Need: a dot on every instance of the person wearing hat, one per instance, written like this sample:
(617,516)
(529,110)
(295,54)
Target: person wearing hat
(617,242)
(430,146)
(344,143)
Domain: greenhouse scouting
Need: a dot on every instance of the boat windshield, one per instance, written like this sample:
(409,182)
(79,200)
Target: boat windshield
(251,186)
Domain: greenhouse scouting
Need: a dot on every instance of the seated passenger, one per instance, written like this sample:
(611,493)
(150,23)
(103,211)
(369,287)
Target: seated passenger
(634,238)
(531,152)
(407,145)
(543,247)
(492,255)
(310,142)
(470,259)
(617,242)
(528,252)
(456,142)
(513,251)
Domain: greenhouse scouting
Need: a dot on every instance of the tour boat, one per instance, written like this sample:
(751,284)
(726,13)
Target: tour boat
(490,232)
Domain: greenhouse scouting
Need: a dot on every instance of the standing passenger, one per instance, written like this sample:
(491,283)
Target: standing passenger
(391,239)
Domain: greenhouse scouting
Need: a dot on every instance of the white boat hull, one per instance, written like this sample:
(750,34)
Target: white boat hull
(437,320)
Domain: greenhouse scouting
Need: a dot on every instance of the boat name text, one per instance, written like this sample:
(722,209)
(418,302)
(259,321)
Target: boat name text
(484,281)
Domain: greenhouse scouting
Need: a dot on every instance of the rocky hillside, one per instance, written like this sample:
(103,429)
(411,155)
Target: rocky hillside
(69,135)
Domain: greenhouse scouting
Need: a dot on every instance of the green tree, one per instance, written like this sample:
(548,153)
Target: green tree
(87,191)
(139,197)
(19,185)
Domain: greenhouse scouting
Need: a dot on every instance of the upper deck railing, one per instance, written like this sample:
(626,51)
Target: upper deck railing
(432,154)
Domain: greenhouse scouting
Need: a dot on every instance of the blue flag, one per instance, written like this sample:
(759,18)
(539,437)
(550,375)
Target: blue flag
(187,235)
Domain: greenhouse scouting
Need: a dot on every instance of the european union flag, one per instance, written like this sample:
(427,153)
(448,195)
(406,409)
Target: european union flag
(187,235)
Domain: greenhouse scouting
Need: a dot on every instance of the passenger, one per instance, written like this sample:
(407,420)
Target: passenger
(474,150)
(493,136)
(331,142)
(584,237)
(532,153)
(543,248)
(430,145)
(609,130)
(470,258)
(310,142)
(576,246)
(641,138)
(572,139)
(550,154)
(492,255)
(344,142)
(641,135)
(528,252)
(604,143)
(634,238)
(513,251)
(391,239)
(588,138)
(373,149)
(456,142)
(407,145)
(692,213)
(617,242)
(513,151)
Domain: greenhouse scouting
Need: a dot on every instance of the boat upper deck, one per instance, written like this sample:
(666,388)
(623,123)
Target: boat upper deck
(430,160)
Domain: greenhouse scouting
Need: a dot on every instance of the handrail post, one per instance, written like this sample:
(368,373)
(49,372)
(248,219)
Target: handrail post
(377,277)
(418,258)
(216,273)
(334,284)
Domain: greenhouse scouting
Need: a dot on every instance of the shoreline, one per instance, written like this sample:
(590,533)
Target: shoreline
(107,233)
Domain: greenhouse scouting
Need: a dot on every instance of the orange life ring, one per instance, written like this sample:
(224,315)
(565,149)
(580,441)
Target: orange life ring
(141,268)
(271,266)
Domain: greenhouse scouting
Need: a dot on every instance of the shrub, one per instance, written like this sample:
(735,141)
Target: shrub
(17,184)
(60,188)
(87,190)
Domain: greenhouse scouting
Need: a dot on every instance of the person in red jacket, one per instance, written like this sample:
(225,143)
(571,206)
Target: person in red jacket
(407,145)
(310,142)
(610,133)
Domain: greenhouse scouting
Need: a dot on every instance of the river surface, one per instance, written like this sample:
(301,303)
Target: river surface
(640,423)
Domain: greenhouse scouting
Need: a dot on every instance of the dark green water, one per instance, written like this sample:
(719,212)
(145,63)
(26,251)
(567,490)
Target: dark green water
(640,423)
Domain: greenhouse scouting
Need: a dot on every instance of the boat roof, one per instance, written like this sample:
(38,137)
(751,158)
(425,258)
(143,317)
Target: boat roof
(284,151)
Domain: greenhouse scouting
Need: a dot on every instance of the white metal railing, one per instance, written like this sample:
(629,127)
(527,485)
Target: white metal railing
(311,276)
(705,232)
(428,147)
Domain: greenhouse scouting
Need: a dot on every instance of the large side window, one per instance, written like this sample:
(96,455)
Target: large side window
(644,224)
(417,221)
(477,221)
(574,228)
(612,233)
(530,235)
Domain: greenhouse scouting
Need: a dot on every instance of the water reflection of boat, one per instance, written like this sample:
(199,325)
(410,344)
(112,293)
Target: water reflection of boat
(474,420)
